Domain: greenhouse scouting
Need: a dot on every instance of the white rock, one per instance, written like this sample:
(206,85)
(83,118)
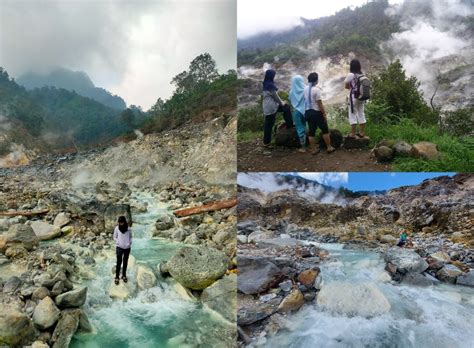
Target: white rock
(350,299)
(45,231)
(62,219)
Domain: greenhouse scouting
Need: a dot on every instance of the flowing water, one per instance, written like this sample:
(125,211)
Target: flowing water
(157,317)
(435,316)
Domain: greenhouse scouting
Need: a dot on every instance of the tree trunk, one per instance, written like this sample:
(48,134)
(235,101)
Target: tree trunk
(225,204)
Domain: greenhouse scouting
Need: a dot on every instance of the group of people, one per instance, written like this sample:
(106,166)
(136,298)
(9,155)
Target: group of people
(307,109)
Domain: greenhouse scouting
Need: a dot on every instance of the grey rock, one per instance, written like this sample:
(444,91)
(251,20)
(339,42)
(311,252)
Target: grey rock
(11,285)
(40,293)
(66,328)
(221,297)
(256,275)
(46,314)
(402,148)
(405,260)
(20,234)
(466,279)
(73,298)
(449,273)
(16,328)
(45,231)
(197,267)
(383,154)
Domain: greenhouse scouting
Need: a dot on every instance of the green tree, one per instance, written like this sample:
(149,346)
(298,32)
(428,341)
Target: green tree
(202,71)
(401,95)
(128,117)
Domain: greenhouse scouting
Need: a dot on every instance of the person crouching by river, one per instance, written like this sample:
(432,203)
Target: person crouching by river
(271,105)
(123,243)
(315,114)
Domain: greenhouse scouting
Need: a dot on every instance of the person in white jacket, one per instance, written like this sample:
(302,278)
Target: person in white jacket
(123,245)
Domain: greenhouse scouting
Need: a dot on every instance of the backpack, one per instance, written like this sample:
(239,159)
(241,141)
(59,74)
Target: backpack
(360,87)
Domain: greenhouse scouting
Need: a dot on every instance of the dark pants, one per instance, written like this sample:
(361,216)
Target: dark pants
(270,122)
(122,254)
(316,120)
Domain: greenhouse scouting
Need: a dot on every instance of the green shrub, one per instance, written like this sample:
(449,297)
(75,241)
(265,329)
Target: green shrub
(400,95)
(459,122)
(250,119)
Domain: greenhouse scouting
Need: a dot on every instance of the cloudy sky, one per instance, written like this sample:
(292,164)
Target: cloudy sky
(132,48)
(275,15)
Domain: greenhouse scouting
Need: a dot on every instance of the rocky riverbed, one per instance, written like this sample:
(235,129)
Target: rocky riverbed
(57,252)
(306,267)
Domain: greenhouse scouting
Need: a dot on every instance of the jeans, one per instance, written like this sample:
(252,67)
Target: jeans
(300,123)
(270,122)
(122,254)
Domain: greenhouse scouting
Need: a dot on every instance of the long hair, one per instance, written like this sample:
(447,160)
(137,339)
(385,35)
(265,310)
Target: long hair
(122,227)
(355,67)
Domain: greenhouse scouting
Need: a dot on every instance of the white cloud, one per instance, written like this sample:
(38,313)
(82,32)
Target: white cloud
(330,179)
(132,48)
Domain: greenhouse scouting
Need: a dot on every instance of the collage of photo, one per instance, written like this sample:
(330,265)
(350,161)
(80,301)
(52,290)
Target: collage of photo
(236,173)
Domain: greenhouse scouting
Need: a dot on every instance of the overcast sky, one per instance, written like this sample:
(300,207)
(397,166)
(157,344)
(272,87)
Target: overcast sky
(132,48)
(276,15)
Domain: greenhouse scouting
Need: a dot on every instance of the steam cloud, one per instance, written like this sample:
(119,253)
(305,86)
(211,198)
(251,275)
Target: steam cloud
(269,182)
(431,44)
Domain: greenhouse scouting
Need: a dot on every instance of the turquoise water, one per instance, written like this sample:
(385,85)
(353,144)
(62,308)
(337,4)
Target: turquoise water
(157,317)
(431,317)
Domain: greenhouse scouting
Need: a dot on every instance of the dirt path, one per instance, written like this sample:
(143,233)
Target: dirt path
(252,157)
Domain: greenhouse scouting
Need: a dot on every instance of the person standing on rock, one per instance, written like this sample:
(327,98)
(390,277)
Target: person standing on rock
(298,103)
(315,114)
(123,242)
(271,105)
(356,106)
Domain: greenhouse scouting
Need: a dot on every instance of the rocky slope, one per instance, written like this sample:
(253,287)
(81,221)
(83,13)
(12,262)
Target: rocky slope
(57,215)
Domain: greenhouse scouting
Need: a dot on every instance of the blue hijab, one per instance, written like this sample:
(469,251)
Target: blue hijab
(268,84)
(297,93)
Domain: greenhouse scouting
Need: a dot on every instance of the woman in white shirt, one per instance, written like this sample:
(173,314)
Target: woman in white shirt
(356,106)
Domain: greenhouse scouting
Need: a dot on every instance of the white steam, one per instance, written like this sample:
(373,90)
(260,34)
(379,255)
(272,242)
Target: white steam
(431,44)
(312,191)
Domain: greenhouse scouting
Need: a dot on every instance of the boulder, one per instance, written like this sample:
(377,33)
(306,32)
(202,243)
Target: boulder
(39,344)
(19,234)
(164,222)
(292,302)
(286,136)
(11,285)
(73,298)
(197,267)
(402,148)
(112,212)
(449,273)
(440,256)
(364,299)
(16,328)
(222,297)
(45,231)
(46,313)
(336,139)
(123,291)
(242,239)
(405,260)
(225,236)
(356,143)
(383,154)
(62,219)
(16,251)
(146,279)
(66,328)
(308,277)
(388,239)
(180,234)
(425,150)
(466,279)
(256,275)
(417,279)
(40,293)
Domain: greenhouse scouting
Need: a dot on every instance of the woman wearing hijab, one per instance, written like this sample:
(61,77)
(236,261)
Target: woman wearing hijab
(123,242)
(297,102)
(271,105)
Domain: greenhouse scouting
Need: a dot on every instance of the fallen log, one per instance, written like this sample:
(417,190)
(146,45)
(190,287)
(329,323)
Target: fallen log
(24,212)
(225,204)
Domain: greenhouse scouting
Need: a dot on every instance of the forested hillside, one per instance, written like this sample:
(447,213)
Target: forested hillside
(77,81)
